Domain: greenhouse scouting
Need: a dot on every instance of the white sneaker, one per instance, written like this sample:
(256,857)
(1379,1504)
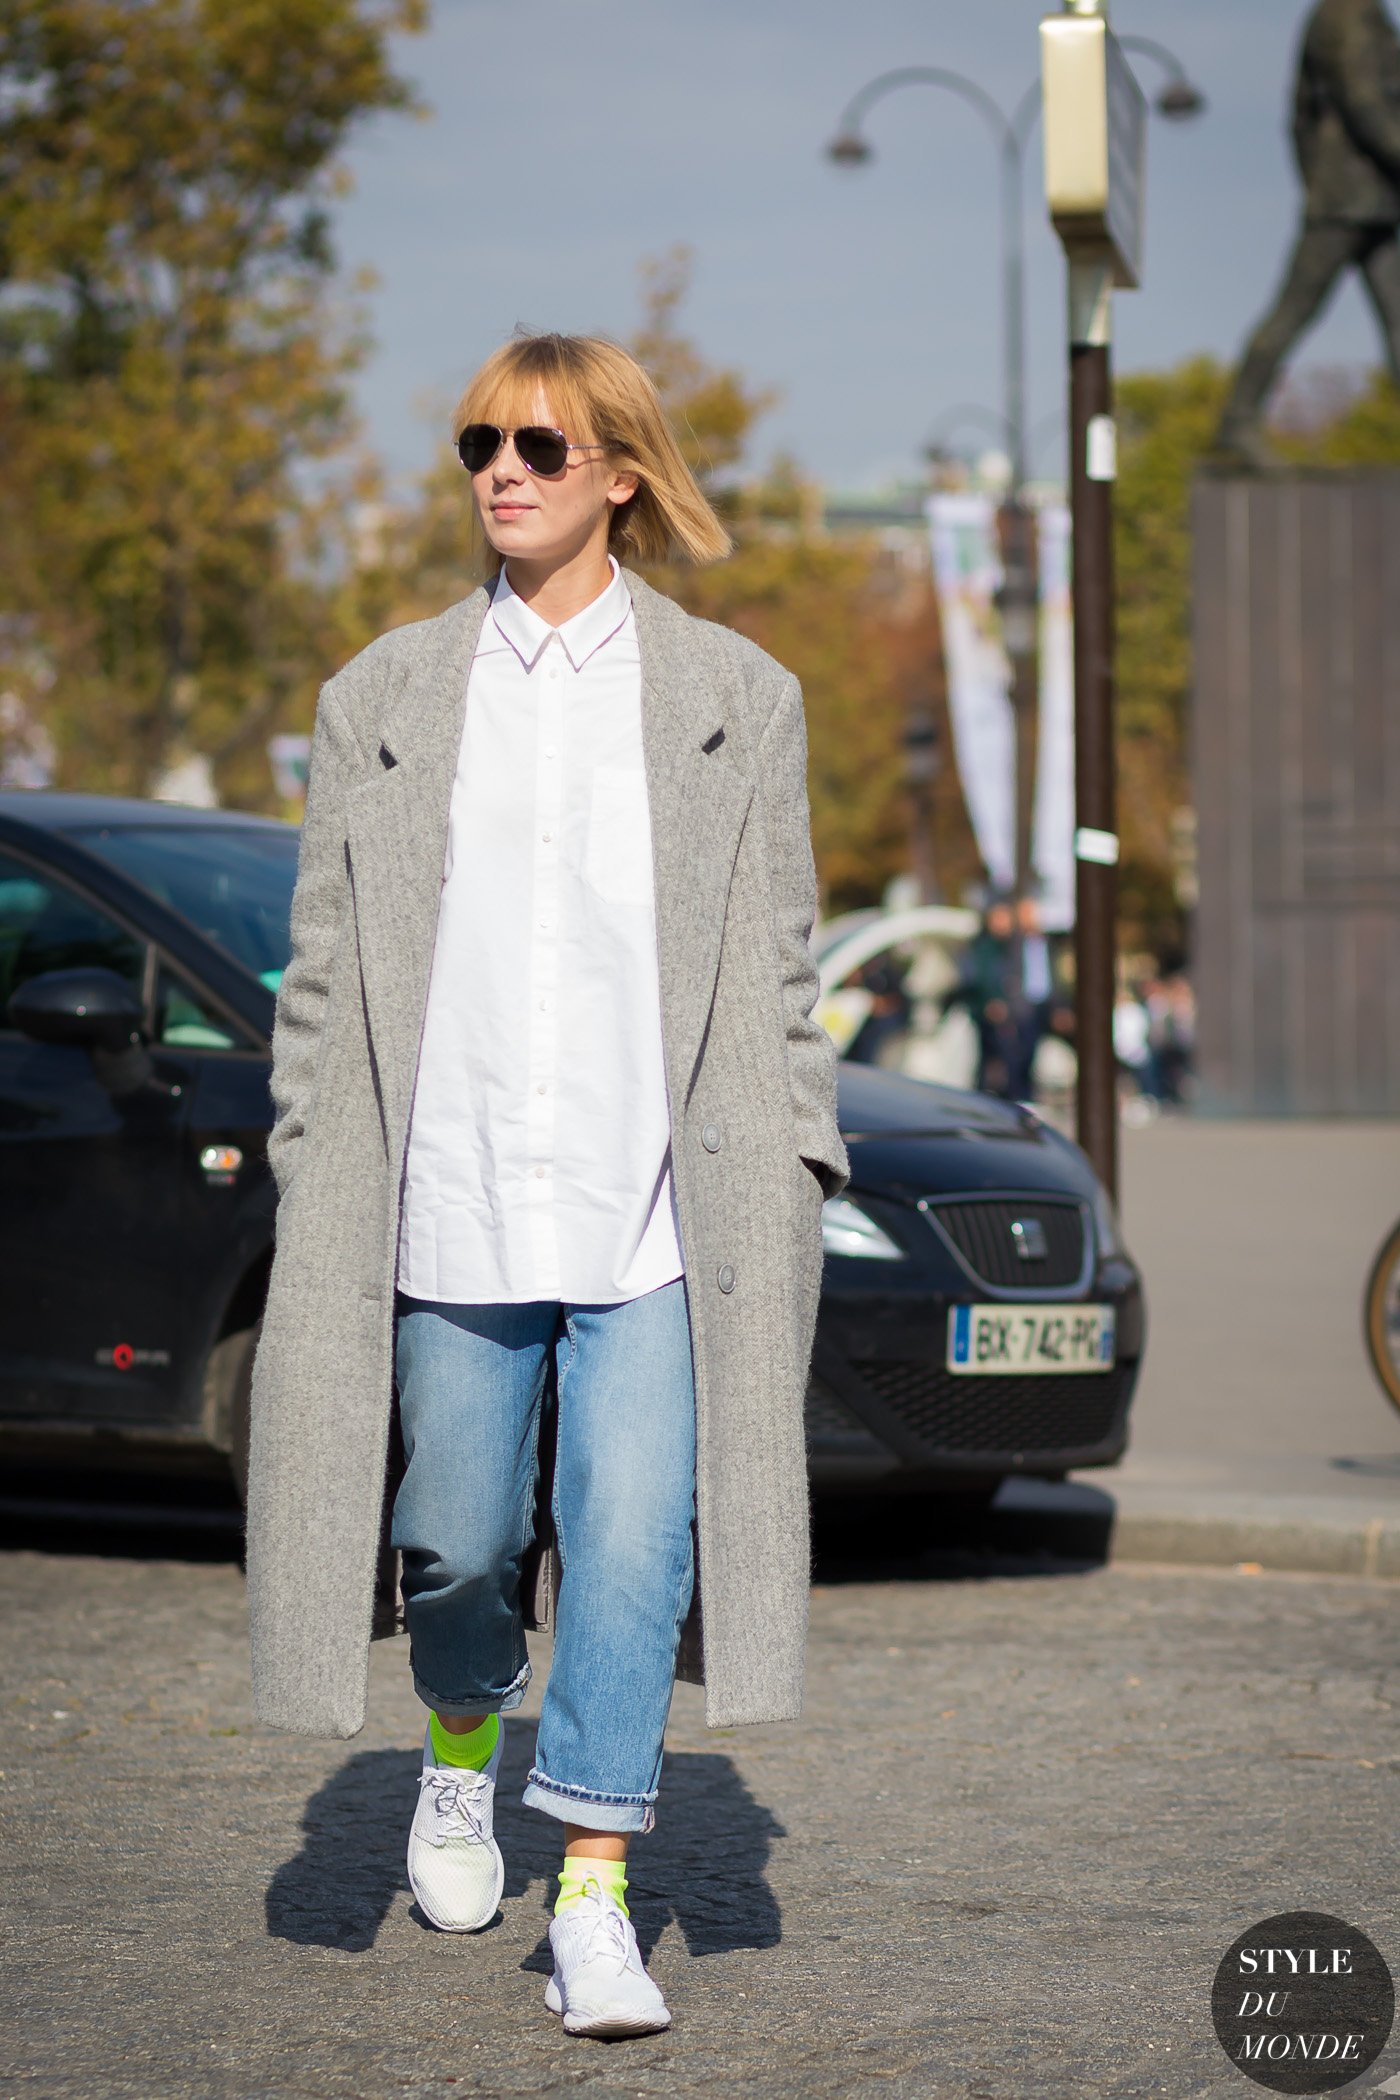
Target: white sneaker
(599,1984)
(455,1867)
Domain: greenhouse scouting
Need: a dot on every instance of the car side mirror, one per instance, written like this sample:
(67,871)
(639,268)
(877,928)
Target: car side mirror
(92,1008)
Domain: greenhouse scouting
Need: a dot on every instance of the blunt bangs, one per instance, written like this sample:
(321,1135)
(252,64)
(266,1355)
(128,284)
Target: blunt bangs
(598,394)
(507,391)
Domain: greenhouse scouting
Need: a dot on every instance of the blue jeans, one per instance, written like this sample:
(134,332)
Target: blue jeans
(471,1382)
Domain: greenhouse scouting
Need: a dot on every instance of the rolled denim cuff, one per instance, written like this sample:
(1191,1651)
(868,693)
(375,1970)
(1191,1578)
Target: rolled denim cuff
(576,1804)
(483,1702)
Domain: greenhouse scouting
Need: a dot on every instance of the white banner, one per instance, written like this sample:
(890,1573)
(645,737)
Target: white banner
(1052,838)
(967,573)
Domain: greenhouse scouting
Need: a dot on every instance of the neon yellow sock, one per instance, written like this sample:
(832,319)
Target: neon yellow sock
(610,1875)
(473,1752)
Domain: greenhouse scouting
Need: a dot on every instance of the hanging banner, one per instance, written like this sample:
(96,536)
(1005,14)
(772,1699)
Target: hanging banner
(966,572)
(1052,837)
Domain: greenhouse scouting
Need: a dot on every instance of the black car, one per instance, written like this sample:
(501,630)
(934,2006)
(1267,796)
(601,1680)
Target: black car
(980,1315)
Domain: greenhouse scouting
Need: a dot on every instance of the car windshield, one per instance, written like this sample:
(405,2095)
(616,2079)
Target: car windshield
(232,881)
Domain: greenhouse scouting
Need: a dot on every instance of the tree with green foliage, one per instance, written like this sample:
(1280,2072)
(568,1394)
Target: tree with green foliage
(1166,426)
(173,360)
(854,635)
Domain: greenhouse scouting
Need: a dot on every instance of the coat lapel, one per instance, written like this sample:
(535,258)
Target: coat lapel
(397,830)
(699,794)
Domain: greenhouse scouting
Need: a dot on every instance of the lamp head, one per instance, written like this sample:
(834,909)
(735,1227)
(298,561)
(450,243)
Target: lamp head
(1179,101)
(849,150)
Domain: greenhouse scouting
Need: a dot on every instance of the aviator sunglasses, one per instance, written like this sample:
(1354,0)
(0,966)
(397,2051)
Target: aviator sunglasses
(539,450)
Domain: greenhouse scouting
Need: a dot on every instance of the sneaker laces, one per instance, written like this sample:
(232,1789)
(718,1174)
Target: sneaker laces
(609,1932)
(457,1801)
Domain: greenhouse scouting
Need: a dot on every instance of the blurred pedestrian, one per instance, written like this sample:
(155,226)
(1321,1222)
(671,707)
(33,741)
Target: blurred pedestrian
(1032,1011)
(554,1129)
(1130,1038)
(984,990)
(1172,1017)
(888,1019)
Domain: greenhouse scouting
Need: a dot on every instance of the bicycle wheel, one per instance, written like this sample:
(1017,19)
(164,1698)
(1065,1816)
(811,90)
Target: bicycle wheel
(1381,1316)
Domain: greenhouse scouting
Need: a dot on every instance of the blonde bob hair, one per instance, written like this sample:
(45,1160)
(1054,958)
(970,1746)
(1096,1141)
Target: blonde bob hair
(598,394)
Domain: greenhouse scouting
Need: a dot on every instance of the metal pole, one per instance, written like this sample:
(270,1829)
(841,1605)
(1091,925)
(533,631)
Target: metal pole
(1091,447)
(1019,597)
(1018,603)
(1013,268)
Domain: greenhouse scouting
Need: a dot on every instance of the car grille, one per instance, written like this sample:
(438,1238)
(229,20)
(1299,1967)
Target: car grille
(981,1232)
(948,1412)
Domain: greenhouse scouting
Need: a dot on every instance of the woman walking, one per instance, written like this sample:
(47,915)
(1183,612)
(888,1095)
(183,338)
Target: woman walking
(554,1125)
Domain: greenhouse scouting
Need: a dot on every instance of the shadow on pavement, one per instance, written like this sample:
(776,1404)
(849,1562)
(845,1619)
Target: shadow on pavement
(1032,1528)
(1384,1466)
(121,1514)
(703,1865)
(337,1890)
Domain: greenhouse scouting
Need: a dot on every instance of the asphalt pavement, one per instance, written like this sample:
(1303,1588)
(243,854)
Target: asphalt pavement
(1031,1805)
(1053,1761)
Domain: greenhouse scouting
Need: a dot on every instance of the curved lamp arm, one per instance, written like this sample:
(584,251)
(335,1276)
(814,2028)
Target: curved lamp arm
(848,130)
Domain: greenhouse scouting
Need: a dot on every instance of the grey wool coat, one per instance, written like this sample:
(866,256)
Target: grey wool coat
(751,1082)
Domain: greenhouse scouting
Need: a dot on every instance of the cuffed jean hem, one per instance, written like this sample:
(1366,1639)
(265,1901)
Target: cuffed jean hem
(575,1804)
(486,1703)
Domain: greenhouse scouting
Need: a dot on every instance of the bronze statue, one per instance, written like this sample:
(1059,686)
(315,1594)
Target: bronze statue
(1346,136)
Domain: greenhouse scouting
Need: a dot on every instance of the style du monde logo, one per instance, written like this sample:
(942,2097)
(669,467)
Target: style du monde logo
(1303,2002)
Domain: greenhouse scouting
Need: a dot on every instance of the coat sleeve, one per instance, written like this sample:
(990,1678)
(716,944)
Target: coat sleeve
(320,907)
(782,788)
(1359,77)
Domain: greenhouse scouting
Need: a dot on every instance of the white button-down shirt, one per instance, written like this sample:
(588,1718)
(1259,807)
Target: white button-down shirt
(539,1148)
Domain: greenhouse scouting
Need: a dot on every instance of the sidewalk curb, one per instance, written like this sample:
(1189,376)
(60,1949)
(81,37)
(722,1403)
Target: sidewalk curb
(1206,1527)
(1367,1546)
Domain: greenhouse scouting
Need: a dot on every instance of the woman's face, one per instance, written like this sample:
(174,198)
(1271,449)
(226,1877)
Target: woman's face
(548,519)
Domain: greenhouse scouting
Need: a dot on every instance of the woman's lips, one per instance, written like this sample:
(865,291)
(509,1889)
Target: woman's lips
(510,510)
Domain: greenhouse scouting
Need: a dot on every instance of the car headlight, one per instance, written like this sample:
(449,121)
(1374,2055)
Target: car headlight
(847,1230)
(1107,1229)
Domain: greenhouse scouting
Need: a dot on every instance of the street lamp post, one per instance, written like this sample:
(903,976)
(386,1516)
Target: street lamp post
(1094,134)
(1018,597)
(850,148)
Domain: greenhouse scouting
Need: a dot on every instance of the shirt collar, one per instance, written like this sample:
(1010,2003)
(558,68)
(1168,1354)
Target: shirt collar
(580,637)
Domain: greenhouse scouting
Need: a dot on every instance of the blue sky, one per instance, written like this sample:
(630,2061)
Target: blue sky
(567,139)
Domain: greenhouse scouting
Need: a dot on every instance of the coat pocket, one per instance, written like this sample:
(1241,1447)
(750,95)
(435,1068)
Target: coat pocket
(617,857)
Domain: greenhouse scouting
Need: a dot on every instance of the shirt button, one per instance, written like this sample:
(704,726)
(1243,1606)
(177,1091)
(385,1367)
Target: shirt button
(546,837)
(540,1173)
(541,1088)
(725,1279)
(544,1006)
(709,1137)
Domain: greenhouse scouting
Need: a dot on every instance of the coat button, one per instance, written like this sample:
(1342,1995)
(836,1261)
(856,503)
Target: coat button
(726,1278)
(709,1137)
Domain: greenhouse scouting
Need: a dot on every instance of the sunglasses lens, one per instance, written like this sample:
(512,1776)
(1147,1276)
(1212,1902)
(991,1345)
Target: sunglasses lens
(543,451)
(478,446)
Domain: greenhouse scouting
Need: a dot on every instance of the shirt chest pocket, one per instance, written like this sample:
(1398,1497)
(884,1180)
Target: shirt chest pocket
(617,856)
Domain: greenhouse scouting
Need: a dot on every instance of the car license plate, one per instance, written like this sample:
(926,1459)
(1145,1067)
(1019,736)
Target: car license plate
(1038,1338)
